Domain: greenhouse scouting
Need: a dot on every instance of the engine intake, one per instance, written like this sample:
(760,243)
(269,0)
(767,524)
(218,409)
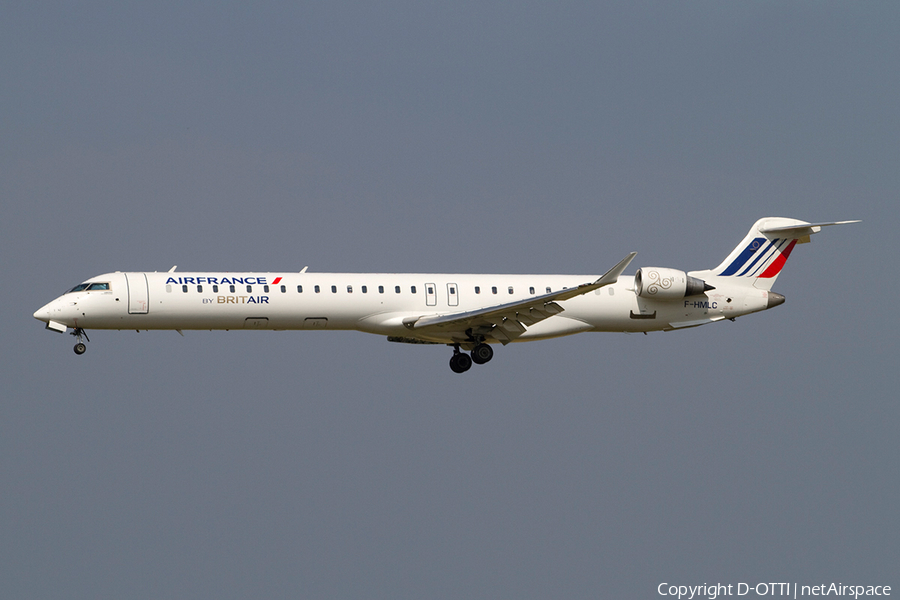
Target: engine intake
(667,284)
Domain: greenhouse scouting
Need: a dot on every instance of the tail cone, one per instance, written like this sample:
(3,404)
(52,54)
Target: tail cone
(774,300)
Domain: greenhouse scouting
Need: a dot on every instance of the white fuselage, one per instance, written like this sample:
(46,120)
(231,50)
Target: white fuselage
(469,312)
(375,303)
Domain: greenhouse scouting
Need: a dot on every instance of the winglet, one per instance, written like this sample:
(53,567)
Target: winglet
(612,275)
(609,278)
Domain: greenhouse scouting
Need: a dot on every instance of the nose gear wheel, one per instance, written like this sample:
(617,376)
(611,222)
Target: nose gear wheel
(79,333)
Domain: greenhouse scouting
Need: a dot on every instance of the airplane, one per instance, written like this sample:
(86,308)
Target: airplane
(470,313)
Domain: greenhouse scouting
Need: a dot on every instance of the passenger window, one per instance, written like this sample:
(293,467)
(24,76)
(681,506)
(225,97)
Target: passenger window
(334,289)
(380,289)
(283,289)
(510,289)
(365,290)
(215,288)
(249,289)
(549,290)
(168,288)
(413,289)
(200,288)
(531,290)
(477,290)
(266,289)
(494,289)
(231,287)
(317,289)
(299,289)
(349,289)
(397,288)
(184,289)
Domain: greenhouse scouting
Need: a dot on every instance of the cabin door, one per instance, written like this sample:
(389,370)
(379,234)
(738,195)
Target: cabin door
(430,294)
(138,295)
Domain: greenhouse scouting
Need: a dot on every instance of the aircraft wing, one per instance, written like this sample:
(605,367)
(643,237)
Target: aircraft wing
(506,322)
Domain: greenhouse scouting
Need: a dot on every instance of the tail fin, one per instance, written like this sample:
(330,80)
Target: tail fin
(759,258)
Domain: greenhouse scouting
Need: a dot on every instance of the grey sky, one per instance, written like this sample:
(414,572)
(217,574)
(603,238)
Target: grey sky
(464,137)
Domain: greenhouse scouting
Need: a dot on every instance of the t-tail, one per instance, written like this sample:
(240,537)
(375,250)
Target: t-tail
(759,258)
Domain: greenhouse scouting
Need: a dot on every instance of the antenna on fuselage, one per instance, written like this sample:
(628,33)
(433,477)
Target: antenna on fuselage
(172,270)
(303,270)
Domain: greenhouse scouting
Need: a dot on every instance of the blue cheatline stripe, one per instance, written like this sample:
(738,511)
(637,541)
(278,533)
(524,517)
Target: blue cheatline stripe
(751,248)
(770,254)
(759,256)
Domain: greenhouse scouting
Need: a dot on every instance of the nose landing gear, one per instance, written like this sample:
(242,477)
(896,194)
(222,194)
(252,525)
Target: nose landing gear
(79,333)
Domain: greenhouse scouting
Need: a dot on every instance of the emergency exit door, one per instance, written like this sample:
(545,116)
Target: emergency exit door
(452,296)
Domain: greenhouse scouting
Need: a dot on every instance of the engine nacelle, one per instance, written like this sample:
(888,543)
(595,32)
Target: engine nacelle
(667,284)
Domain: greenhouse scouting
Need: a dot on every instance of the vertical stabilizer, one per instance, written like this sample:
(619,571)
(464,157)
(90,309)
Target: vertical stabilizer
(758,259)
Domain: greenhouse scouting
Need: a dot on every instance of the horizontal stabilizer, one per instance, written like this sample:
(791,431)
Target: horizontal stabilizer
(801,230)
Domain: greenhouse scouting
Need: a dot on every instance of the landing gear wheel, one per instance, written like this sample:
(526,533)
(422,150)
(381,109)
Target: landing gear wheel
(80,334)
(482,353)
(460,363)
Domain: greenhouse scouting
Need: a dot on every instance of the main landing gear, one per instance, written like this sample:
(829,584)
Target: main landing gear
(482,353)
(461,362)
(80,347)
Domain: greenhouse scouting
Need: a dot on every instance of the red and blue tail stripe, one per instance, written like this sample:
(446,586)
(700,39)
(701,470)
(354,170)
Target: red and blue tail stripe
(776,266)
(759,256)
(743,257)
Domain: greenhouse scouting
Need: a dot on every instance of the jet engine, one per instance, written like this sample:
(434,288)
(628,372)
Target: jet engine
(667,284)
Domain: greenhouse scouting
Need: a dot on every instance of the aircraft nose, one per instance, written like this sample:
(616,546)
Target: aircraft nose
(43,313)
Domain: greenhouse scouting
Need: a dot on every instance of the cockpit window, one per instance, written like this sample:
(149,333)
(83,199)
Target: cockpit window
(89,287)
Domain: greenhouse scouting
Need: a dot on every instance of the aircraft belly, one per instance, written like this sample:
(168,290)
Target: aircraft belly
(630,313)
(622,311)
(557,326)
(388,323)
